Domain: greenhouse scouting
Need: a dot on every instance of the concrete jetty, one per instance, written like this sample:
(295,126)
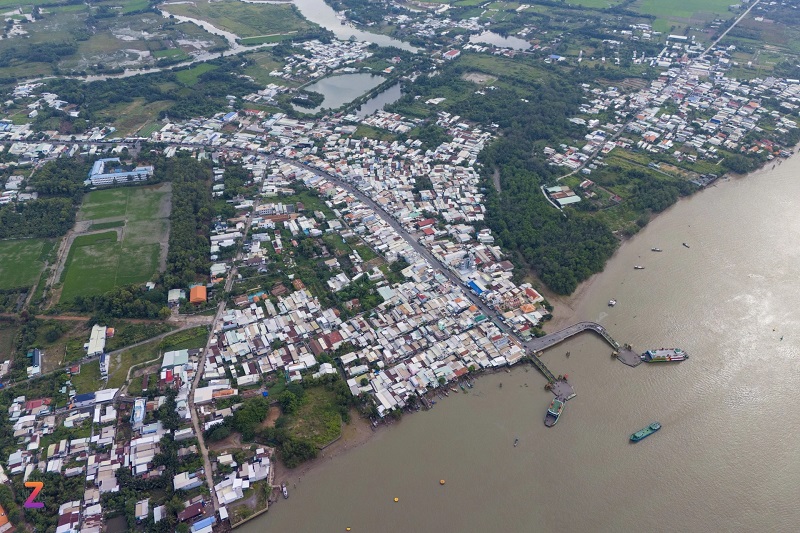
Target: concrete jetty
(558,385)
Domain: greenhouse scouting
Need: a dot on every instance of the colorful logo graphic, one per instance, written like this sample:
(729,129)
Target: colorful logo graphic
(37,488)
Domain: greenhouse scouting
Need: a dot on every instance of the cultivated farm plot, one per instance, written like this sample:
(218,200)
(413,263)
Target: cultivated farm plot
(682,13)
(21,261)
(128,254)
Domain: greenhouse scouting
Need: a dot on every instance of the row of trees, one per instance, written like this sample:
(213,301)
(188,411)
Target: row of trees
(192,209)
(123,302)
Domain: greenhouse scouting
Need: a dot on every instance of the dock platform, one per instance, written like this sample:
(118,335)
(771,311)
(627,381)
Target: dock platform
(629,357)
(563,390)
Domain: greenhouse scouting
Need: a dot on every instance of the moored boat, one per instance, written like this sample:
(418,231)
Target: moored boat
(612,303)
(686,245)
(656,250)
(664,355)
(645,432)
(285,491)
(638,267)
(553,412)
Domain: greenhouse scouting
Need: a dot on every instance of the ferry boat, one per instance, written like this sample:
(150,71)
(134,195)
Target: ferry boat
(553,412)
(638,267)
(285,491)
(656,250)
(612,303)
(645,432)
(664,355)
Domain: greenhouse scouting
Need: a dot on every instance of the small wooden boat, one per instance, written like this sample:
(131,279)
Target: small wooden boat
(638,267)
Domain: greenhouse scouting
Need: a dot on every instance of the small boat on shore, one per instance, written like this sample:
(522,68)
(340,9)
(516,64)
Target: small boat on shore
(553,412)
(664,355)
(612,303)
(285,491)
(686,245)
(656,250)
(638,267)
(645,432)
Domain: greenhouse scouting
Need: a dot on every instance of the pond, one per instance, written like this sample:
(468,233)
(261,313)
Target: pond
(490,37)
(341,89)
(384,98)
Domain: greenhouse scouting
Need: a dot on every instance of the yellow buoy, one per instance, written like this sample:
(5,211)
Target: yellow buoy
(348,529)
(397,500)
(441,482)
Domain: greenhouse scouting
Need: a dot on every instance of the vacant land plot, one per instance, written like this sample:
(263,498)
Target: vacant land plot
(117,38)
(22,261)
(317,419)
(479,78)
(130,254)
(130,117)
(245,20)
(7,333)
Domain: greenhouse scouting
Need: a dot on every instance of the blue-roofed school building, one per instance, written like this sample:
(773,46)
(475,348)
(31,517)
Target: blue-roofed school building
(109,171)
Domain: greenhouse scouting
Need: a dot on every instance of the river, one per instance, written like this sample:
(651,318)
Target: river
(318,12)
(726,458)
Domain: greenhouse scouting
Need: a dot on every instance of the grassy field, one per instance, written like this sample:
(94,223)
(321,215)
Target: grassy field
(99,262)
(186,340)
(245,20)
(22,261)
(89,379)
(190,76)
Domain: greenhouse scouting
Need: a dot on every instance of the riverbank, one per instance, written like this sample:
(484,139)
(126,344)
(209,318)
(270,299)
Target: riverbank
(355,434)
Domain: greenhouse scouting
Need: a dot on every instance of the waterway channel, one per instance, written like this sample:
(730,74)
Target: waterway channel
(726,458)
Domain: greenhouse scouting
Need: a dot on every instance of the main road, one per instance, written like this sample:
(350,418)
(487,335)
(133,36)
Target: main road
(414,243)
(198,431)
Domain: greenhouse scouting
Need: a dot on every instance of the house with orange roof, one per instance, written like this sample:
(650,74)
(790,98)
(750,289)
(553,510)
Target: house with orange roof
(197,294)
